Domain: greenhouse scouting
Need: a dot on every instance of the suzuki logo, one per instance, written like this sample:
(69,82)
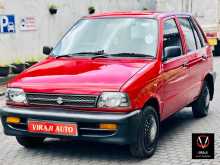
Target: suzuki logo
(59,100)
(203,141)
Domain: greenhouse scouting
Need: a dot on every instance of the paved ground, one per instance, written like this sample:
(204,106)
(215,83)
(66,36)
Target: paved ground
(174,146)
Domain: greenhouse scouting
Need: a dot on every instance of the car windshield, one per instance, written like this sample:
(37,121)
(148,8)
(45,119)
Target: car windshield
(128,37)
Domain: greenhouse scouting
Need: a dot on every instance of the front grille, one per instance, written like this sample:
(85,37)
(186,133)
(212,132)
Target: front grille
(61,99)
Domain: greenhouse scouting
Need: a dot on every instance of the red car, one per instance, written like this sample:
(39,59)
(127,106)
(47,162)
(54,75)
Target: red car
(113,78)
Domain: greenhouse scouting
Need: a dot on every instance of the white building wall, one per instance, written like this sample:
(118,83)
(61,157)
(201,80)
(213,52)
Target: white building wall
(25,45)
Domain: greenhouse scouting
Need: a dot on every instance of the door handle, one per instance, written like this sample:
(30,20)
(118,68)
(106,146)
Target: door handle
(204,57)
(185,64)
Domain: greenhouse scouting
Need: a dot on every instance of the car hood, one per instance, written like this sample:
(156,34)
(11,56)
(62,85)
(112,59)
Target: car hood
(73,75)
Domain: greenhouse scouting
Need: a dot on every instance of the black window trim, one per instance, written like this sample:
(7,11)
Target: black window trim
(194,31)
(174,18)
(199,32)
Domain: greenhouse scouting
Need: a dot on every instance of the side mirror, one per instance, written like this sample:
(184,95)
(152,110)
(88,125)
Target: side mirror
(47,50)
(171,52)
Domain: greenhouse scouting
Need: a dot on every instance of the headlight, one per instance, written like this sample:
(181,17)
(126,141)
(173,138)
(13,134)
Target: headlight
(16,95)
(113,100)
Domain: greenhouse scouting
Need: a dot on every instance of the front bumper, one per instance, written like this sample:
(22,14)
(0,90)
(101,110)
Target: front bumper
(126,132)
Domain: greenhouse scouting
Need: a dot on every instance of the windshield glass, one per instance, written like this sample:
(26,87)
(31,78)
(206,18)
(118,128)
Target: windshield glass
(112,36)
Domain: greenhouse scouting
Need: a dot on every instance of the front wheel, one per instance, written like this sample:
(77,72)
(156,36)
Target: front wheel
(148,134)
(201,106)
(30,142)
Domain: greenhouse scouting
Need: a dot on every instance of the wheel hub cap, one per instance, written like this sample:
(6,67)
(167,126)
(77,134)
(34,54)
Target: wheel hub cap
(151,130)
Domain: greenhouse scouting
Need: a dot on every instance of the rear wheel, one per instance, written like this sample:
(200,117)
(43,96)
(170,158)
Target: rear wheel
(148,134)
(30,142)
(200,107)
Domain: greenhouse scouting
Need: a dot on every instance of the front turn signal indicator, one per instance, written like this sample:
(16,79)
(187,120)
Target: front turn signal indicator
(108,126)
(13,120)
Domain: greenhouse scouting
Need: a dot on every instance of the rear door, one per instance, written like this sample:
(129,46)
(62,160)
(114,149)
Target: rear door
(175,70)
(196,54)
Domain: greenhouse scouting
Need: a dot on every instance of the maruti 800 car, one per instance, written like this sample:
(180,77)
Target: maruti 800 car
(113,78)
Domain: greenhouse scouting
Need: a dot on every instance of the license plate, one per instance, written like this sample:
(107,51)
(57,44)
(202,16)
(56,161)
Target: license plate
(53,128)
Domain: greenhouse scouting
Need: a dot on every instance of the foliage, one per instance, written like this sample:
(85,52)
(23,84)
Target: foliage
(52,6)
(17,61)
(32,59)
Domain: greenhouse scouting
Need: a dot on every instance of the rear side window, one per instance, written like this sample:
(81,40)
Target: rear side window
(188,32)
(201,36)
(171,35)
(198,41)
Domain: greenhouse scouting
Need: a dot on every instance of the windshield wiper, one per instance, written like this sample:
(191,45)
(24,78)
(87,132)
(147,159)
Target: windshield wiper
(66,55)
(100,56)
(122,55)
(99,52)
(127,54)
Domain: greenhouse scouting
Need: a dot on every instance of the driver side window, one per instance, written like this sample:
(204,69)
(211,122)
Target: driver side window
(171,38)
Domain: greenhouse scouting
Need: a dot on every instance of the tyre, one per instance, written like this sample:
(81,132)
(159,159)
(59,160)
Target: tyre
(200,107)
(30,142)
(148,134)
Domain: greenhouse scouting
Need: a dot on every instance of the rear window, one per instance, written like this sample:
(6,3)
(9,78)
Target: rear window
(197,37)
(200,33)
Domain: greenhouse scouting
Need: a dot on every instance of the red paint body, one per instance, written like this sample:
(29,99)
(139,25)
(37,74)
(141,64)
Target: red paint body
(172,85)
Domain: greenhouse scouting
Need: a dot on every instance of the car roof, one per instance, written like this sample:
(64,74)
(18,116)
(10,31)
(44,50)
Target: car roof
(144,13)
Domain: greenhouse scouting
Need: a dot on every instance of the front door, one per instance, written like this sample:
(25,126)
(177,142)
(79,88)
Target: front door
(175,70)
